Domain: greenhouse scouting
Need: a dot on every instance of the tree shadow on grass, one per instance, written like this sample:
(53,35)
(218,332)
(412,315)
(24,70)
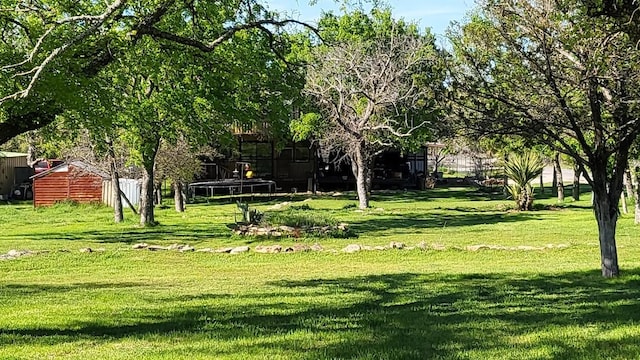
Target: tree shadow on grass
(411,222)
(170,233)
(551,193)
(398,223)
(26,290)
(572,315)
(466,193)
(452,193)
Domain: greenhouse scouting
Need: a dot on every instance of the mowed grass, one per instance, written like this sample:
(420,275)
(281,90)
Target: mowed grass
(397,304)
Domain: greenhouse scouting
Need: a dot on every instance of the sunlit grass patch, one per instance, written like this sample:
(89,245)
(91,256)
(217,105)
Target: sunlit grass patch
(444,302)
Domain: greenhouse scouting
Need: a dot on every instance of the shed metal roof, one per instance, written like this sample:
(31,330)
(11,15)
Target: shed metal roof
(10,154)
(77,164)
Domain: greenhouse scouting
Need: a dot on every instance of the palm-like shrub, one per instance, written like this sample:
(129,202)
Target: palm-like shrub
(521,169)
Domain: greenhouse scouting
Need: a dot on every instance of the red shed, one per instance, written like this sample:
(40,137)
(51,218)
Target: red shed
(77,181)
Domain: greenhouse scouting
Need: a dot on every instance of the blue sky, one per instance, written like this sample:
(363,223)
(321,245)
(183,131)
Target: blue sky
(435,14)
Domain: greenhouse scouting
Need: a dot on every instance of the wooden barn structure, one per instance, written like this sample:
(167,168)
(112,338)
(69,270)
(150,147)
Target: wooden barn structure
(9,176)
(75,181)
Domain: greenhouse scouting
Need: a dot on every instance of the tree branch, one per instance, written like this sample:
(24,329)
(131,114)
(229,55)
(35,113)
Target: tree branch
(98,20)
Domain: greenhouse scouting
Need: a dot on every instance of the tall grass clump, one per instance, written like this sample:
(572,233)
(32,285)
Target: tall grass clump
(298,219)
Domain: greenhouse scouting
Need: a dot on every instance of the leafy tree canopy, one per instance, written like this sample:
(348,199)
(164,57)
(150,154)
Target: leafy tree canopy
(48,45)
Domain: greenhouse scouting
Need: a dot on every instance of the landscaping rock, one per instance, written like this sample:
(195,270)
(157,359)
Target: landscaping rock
(140,246)
(316,247)
(224,250)
(559,246)
(185,248)
(379,248)
(239,250)
(352,248)
(422,245)
(286,229)
(14,254)
(529,248)
(264,249)
(86,250)
(297,248)
(438,247)
(480,247)
(261,231)
(179,247)
(157,247)
(396,245)
(205,250)
(18,253)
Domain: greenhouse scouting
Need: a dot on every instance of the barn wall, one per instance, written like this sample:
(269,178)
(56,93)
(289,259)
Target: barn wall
(73,185)
(49,189)
(85,187)
(7,173)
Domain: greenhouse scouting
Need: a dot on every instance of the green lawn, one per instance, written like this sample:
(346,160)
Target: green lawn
(396,304)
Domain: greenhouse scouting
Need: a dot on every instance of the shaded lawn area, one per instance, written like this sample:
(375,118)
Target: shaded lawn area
(400,304)
(312,306)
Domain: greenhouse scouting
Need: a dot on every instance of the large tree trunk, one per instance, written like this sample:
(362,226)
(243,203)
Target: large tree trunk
(157,192)
(628,184)
(541,184)
(576,182)
(178,195)
(606,195)
(361,187)
(559,181)
(369,177)
(32,151)
(118,215)
(636,196)
(637,206)
(607,217)
(360,165)
(147,216)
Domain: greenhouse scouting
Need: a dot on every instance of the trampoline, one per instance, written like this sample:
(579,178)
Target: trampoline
(234,186)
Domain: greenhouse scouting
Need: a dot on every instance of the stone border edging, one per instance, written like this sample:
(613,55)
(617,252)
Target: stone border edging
(297,248)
